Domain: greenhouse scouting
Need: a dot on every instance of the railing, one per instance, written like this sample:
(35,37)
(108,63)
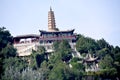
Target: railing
(22,44)
(57,38)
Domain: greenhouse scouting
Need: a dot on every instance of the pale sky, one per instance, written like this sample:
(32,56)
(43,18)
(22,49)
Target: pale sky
(93,18)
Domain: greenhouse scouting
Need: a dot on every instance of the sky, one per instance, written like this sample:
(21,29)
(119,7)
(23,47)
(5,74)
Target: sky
(92,18)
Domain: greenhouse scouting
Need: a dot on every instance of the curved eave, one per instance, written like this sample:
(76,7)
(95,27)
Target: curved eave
(48,32)
(91,60)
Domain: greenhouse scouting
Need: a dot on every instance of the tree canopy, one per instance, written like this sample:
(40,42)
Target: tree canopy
(85,44)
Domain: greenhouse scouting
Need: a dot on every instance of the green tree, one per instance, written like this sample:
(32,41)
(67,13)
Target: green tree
(117,60)
(37,57)
(16,63)
(85,44)
(6,48)
(8,51)
(27,74)
(103,44)
(104,51)
(41,49)
(56,45)
(5,37)
(62,72)
(106,62)
(65,50)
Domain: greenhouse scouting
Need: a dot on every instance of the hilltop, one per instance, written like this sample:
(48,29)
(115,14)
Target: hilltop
(95,59)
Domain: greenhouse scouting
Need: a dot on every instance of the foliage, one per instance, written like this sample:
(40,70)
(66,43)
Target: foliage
(8,51)
(107,73)
(41,50)
(106,62)
(37,57)
(6,48)
(5,37)
(84,44)
(27,74)
(75,59)
(78,66)
(63,50)
(63,73)
(101,53)
(59,69)
(103,44)
(56,45)
(16,63)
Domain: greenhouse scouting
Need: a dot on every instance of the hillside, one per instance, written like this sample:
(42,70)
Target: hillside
(93,59)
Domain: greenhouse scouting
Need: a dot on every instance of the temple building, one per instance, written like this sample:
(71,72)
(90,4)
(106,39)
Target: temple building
(91,63)
(26,43)
(54,34)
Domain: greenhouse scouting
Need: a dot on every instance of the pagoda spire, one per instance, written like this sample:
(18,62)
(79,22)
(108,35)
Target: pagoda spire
(50,8)
(51,21)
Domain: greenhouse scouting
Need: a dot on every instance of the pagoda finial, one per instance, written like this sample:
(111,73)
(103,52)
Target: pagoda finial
(50,8)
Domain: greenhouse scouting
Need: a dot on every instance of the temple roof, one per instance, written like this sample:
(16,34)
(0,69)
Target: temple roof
(89,58)
(26,36)
(49,32)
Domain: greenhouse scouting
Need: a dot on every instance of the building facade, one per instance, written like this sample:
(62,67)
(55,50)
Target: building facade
(26,43)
